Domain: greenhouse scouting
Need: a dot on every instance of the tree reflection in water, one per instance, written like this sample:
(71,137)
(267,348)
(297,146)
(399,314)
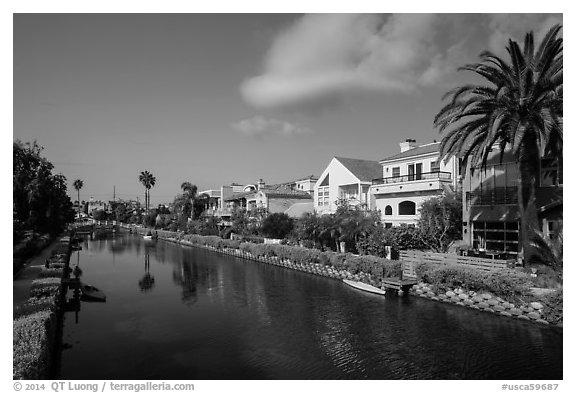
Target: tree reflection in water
(186,276)
(146,283)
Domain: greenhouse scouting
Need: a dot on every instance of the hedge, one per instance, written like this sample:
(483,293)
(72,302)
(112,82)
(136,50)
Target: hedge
(553,307)
(507,284)
(32,353)
(51,272)
(49,286)
(376,267)
(34,305)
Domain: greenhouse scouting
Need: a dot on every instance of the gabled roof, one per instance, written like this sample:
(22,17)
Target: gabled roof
(364,170)
(282,191)
(424,149)
(272,191)
(239,195)
(297,210)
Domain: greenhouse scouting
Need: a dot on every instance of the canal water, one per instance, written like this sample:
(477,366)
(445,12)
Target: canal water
(175,312)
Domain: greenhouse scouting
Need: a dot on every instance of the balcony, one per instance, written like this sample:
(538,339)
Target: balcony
(494,196)
(429,182)
(413,177)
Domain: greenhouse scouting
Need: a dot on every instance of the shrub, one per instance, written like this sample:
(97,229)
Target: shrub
(45,287)
(553,307)
(34,305)
(507,284)
(50,272)
(31,352)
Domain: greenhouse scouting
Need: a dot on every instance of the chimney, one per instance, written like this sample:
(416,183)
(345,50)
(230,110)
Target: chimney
(409,144)
(261,184)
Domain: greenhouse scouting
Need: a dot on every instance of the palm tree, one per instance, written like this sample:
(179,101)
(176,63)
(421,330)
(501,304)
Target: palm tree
(519,108)
(78,184)
(190,191)
(148,181)
(549,251)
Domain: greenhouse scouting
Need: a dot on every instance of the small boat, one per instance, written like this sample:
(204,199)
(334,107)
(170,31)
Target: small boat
(90,293)
(365,287)
(148,237)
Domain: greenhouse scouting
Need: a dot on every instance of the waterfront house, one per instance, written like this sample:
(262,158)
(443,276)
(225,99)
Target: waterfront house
(345,179)
(409,178)
(276,198)
(491,217)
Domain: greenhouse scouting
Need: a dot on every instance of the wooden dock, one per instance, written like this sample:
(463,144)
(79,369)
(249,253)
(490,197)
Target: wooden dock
(400,285)
(407,279)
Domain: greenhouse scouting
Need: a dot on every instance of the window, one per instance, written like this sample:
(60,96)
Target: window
(552,229)
(406,208)
(387,225)
(415,171)
(551,172)
(388,210)
(434,166)
(496,236)
(323,196)
(396,171)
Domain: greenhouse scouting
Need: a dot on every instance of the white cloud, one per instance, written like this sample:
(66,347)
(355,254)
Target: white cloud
(260,126)
(321,57)
(515,26)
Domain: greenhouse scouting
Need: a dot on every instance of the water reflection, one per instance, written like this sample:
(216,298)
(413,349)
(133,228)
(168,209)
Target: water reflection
(210,316)
(148,281)
(186,276)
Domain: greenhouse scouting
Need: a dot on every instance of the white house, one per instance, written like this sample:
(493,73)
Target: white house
(345,178)
(409,178)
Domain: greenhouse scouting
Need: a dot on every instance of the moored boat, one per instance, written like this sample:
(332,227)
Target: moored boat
(90,293)
(364,287)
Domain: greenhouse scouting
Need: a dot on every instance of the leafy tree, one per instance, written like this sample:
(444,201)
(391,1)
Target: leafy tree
(240,221)
(120,213)
(40,199)
(148,181)
(277,225)
(353,223)
(209,226)
(99,215)
(150,220)
(520,107)
(440,221)
(199,205)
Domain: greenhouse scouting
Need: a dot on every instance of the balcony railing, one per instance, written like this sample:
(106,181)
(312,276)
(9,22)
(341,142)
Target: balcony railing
(413,177)
(494,196)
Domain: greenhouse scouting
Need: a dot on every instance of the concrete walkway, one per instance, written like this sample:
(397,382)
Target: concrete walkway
(28,273)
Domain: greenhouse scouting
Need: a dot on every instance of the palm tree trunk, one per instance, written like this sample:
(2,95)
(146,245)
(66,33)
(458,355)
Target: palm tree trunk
(529,170)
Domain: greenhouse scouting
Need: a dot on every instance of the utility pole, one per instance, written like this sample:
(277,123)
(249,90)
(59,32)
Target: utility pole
(114,193)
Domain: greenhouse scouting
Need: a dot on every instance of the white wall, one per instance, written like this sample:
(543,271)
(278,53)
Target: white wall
(339,175)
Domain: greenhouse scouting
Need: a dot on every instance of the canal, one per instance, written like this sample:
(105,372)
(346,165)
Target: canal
(174,312)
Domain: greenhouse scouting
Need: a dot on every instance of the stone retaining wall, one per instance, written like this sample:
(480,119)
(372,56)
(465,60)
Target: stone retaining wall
(483,302)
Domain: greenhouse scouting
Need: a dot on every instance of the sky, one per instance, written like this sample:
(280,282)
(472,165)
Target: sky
(219,98)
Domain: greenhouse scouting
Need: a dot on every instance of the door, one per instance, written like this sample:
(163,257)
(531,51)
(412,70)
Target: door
(410,172)
(419,171)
